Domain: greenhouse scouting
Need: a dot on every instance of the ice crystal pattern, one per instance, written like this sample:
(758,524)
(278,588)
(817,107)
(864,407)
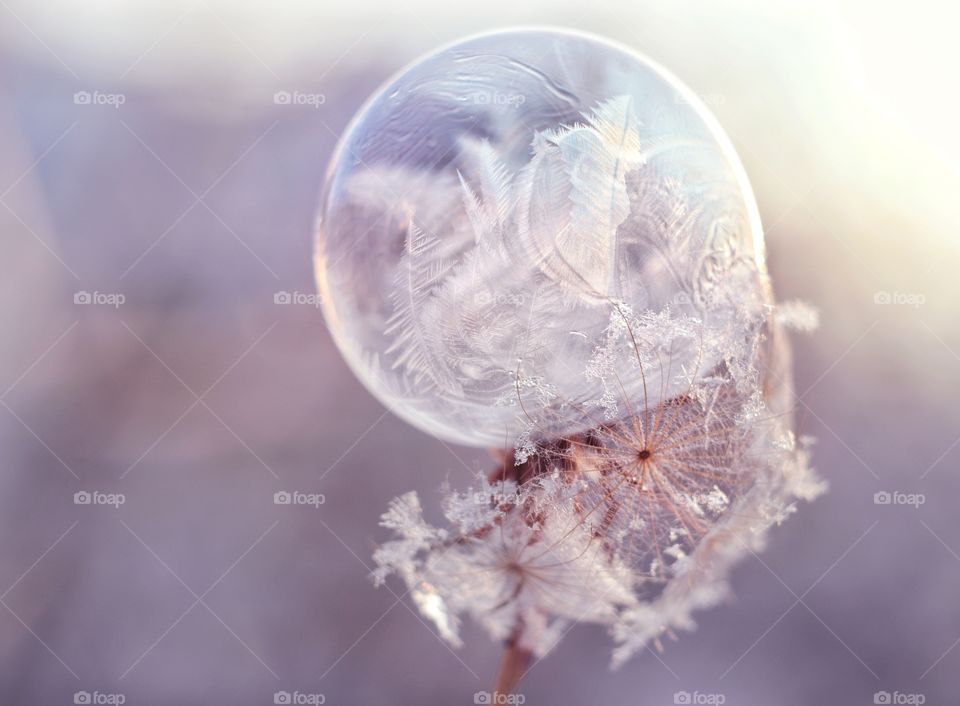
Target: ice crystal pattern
(469,249)
(633,524)
(579,278)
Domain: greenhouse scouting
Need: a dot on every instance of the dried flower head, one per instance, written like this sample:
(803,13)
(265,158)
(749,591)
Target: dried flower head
(633,523)
(583,279)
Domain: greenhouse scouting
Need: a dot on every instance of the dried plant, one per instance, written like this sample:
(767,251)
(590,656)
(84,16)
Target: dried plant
(631,524)
(635,358)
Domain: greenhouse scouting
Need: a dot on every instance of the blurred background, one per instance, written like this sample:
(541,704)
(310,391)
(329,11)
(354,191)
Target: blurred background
(156,209)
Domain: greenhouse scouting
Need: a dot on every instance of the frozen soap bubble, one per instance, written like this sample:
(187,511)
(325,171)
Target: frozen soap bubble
(503,215)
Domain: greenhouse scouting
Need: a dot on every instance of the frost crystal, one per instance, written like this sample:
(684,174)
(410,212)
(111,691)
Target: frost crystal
(580,277)
(514,557)
(632,524)
(798,316)
(485,246)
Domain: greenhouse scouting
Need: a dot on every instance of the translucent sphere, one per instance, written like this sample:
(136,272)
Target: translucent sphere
(491,211)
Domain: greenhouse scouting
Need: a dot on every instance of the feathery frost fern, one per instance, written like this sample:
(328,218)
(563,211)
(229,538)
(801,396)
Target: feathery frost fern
(632,335)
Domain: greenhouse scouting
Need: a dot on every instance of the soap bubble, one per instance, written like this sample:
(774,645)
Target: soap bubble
(493,212)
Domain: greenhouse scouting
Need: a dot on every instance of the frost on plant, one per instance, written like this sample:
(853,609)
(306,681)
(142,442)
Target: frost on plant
(632,524)
(506,271)
(630,332)
(515,558)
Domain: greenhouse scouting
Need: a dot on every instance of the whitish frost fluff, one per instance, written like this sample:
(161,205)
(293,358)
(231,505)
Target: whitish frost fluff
(488,205)
(542,241)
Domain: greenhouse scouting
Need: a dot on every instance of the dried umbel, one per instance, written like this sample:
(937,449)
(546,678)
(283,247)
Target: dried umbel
(543,241)
(632,524)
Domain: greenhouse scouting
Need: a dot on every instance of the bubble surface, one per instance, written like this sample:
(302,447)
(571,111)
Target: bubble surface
(491,210)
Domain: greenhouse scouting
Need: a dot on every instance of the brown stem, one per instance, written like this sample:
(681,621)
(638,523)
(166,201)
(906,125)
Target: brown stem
(513,665)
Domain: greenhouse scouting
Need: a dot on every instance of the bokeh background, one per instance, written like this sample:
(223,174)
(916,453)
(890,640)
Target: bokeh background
(182,187)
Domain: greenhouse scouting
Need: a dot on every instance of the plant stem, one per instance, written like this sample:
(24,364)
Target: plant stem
(513,665)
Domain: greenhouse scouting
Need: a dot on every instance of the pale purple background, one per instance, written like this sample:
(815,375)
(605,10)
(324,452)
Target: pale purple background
(94,598)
